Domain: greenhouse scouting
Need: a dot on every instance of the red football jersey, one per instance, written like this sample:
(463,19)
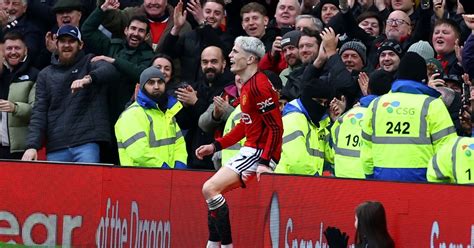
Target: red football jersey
(261,122)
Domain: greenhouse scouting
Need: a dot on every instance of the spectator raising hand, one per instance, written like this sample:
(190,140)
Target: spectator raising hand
(337,107)
(220,106)
(50,42)
(328,47)
(194,7)
(110,5)
(438,8)
(276,47)
(179,18)
(436,81)
(363,81)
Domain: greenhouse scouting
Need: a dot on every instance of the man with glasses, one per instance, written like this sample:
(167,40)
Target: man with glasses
(398,26)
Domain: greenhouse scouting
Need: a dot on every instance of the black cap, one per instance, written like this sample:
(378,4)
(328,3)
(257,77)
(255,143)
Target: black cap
(67,5)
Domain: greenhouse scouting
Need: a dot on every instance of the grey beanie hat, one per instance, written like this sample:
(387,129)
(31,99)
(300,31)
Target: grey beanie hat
(150,72)
(291,38)
(357,46)
(423,48)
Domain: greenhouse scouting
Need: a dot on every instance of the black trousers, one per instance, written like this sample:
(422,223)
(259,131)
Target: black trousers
(5,153)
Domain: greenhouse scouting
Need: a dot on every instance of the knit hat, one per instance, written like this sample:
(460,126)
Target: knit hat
(318,88)
(468,6)
(357,46)
(291,38)
(380,82)
(67,5)
(70,31)
(413,67)
(423,48)
(316,12)
(150,72)
(392,45)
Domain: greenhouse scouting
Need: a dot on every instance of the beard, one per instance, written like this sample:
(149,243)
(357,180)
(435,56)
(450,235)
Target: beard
(67,60)
(210,75)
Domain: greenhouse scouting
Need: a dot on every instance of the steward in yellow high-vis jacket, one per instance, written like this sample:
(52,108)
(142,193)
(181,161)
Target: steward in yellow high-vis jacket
(147,132)
(306,132)
(453,163)
(232,150)
(406,127)
(347,129)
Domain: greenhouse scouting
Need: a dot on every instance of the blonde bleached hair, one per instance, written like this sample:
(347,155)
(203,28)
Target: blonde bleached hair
(251,45)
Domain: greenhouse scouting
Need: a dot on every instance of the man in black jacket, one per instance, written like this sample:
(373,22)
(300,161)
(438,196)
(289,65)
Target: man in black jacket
(188,47)
(70,111)
(196,100)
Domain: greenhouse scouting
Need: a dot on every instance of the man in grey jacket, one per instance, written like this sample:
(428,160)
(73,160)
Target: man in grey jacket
(70,111)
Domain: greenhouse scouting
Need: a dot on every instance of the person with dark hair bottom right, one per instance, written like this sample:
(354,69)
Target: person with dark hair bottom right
(371,229)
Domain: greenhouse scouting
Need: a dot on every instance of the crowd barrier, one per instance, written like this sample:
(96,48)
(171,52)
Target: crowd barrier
(104,206)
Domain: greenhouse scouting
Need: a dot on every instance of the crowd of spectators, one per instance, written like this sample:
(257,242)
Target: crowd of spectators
(72,69)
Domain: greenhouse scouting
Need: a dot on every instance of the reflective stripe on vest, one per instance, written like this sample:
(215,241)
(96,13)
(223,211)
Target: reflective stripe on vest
(152,141)
(131,140)
(235,119)
(453,158)
(344,151)
(311,151)
(439,174)
(420,140)
(441,133)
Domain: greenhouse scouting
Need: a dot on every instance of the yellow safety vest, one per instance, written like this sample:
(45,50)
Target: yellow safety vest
(305,146)
(401,133)
(150,138)
(453,163)
(231,151)
(346,135)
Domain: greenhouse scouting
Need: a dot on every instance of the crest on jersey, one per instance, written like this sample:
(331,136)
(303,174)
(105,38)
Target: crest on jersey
(244,99)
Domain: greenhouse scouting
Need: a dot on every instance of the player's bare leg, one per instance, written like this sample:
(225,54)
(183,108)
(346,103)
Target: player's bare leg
(218,215)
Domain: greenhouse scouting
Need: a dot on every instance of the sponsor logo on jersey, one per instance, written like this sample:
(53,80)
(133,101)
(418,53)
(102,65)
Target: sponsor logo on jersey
(266,105)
